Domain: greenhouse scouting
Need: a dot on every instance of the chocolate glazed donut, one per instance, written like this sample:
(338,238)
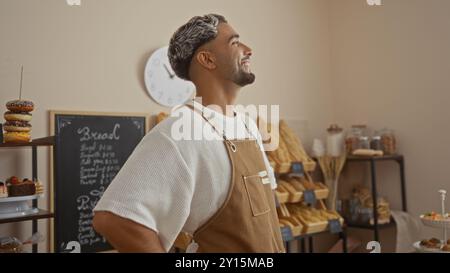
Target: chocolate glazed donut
(20,106)
(17,126)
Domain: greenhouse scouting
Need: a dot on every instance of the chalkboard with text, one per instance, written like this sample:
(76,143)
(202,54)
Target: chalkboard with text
(89,151)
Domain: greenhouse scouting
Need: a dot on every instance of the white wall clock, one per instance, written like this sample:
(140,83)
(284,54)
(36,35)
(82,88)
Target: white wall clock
(162,84)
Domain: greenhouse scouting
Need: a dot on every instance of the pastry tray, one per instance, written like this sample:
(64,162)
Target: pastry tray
(17,206)
(20,198)
(422,249)
(436,223)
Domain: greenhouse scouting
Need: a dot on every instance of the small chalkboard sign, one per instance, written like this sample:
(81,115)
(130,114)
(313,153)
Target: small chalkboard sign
(1,133)
(309,197)
(297,168)
(286,234)
(335,226)
(90,149)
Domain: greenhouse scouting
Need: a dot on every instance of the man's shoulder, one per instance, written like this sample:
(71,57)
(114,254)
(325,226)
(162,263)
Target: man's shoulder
(175,127)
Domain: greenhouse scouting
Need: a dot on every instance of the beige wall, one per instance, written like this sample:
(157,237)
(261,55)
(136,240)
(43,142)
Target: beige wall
(390,67)
(92,58)
(322,61)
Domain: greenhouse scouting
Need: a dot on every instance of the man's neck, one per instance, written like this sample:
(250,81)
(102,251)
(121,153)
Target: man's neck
(219,97)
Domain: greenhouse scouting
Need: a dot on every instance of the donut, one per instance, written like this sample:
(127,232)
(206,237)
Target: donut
(20,116)
(20,105)
(17,126)
(16,137)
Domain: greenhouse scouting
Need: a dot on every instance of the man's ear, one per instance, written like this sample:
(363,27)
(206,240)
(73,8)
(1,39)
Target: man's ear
(206,59)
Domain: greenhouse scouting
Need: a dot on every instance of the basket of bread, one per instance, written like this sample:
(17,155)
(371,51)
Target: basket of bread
(290,149)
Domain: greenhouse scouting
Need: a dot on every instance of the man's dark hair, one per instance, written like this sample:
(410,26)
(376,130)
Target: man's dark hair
(188,38)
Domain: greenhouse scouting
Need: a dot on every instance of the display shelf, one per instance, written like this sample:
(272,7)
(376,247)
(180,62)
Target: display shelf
(45,141)
(375,158)
(369,226)
(41,214)
(34,214)
(372,160)
(300,239)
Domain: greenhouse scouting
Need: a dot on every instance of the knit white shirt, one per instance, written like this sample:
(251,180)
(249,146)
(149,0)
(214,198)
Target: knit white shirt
(171,185)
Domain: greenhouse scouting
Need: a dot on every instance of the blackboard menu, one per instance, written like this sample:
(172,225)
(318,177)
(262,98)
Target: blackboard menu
(89,152)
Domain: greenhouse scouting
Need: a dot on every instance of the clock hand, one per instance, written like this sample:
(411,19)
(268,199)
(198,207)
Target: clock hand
(170,74)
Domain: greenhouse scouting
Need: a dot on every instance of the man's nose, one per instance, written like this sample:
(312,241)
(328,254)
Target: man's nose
(247,50)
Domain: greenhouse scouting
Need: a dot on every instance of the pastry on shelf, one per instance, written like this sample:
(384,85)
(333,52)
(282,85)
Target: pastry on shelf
(10,245)
(446,247)
(39,187)
(434,216)
(295,147)
(282,194)
(20,188)
(3,190)
(17,127)
(431,243)
(359,209)
(313,219)
(294,194)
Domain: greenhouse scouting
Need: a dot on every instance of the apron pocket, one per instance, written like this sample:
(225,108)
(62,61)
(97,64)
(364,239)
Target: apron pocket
(256,195)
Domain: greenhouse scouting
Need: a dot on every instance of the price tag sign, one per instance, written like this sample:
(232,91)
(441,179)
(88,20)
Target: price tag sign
(286,234)
(297,169)
(335,226)
(309,197)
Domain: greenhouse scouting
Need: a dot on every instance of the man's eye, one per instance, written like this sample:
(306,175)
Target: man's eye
(235,42)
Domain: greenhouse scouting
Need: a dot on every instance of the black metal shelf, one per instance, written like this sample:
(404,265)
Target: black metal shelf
(44,141)
(41,214)
(374,158)
(309,236)
(369,226)
(372,162)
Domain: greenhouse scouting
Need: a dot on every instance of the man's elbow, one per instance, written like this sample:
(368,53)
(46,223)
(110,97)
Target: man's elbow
(100,221)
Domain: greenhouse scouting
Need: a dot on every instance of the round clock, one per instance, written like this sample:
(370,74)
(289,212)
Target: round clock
(162,84)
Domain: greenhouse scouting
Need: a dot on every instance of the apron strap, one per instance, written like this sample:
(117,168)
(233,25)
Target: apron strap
(232,145)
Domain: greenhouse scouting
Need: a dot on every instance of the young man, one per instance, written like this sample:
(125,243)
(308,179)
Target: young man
(218,188)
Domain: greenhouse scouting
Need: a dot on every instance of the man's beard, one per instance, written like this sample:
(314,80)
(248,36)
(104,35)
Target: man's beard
(243,78)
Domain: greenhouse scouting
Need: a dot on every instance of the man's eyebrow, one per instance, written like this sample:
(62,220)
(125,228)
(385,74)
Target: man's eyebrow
(233,36)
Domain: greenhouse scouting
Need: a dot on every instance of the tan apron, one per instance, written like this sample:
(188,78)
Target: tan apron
(247,220)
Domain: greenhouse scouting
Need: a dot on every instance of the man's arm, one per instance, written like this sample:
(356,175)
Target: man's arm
(125,235)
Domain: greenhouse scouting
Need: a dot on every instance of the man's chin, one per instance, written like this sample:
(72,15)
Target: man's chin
(246,79)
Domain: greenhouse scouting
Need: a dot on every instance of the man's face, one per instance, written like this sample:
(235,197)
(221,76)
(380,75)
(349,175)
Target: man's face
(232,56)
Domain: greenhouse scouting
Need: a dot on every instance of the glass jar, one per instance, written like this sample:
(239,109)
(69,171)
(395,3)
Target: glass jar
(388,142)
(375,143)
(364,142)
(335,140)
(352,140)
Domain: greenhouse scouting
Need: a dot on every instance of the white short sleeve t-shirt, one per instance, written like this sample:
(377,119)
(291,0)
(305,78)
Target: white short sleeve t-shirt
(171,184)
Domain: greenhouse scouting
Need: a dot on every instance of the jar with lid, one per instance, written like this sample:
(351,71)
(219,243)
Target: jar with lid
(388,141)
(364,142)
(335,140)
(375,143)
(352,139)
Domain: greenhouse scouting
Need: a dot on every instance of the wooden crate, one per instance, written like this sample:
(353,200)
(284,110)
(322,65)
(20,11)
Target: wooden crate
(295,225)
(294,195)
(309,166)
(282,194)
(323,192)
(283,167)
